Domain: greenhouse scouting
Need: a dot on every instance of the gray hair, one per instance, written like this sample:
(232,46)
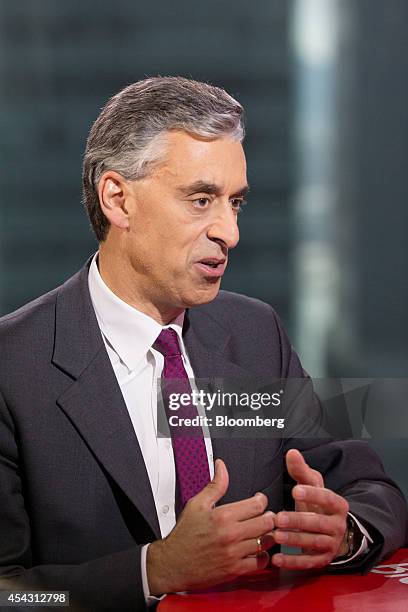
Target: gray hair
(126,137)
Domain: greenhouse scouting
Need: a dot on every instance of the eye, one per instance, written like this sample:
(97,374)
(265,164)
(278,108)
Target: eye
(238,204)
(201,202)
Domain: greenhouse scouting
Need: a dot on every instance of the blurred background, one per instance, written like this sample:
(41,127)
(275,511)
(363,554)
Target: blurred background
(324,84)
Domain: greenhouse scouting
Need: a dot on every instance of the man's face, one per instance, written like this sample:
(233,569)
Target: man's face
(183,221)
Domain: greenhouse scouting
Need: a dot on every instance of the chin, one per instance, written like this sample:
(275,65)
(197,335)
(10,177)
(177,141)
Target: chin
(202,296)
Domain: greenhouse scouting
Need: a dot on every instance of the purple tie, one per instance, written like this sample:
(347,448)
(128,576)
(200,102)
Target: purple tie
(189,450)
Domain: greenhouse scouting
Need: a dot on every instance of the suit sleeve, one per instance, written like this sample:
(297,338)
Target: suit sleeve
(352,469)
(110,582)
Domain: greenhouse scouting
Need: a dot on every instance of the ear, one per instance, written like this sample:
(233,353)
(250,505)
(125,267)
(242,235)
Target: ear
(112,197)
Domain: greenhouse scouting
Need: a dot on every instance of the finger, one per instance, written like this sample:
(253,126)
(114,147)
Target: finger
(309,522)
(253,563)
(246,508)
(300,471)
(325,500)
(255,527)
(217,487)
(232,532)
(252,547)
(311,541)
(301,506)
(301,561)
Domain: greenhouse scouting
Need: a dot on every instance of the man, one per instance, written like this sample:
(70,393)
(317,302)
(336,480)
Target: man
(89,492)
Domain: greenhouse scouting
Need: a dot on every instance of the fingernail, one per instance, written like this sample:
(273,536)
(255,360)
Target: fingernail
(270,514)
(300,493)
(257,494)
(277,560)
(283,520)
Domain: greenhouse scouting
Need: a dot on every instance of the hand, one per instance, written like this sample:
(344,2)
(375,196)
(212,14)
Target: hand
(210,545)
(319,524)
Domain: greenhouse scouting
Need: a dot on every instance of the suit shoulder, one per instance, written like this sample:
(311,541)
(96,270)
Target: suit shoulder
(255,337)
(235,311)
(29,312)
(25,335)
(36,313)
(236,306)
(254,329)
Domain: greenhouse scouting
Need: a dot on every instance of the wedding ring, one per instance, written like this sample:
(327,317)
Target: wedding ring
(259,545)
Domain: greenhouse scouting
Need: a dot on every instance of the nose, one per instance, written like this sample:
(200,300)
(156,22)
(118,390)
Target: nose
(224,227)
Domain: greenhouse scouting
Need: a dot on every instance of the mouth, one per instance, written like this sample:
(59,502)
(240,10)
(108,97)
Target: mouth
(212,267)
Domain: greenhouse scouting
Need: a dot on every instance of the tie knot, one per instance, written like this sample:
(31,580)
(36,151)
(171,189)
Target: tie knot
(167,343)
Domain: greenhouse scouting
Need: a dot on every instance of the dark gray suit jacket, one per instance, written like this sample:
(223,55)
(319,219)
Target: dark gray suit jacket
(75,500)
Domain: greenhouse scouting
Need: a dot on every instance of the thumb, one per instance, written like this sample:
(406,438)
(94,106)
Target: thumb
(300,471)
(218,486)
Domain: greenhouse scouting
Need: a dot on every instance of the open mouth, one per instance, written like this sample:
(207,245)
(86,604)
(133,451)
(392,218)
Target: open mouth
(212,266)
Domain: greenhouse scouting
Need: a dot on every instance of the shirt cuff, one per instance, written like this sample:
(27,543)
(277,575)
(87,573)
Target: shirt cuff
(367,539)
(150,599)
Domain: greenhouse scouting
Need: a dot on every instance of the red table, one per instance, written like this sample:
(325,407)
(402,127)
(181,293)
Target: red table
(385,589)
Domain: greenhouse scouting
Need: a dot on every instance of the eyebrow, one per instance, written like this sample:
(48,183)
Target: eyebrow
(210,188)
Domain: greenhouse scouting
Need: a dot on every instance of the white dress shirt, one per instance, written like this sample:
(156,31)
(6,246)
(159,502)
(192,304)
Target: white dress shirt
(128,335)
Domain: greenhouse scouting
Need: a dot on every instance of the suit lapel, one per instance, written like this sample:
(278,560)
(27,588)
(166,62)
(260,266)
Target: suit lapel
(94,402)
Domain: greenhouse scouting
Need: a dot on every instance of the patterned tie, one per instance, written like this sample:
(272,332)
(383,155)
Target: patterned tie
(189,450)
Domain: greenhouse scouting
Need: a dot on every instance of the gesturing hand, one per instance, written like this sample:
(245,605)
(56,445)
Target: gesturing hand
(210,545)
(318,525)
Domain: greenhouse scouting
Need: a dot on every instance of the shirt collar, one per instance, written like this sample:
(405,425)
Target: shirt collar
(131,333)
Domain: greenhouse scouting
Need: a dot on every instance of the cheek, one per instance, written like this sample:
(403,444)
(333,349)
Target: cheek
(187,246)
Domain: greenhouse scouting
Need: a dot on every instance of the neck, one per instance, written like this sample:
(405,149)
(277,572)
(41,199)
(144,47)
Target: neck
(117,273)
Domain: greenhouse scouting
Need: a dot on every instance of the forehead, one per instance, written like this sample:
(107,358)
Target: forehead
(187,157)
